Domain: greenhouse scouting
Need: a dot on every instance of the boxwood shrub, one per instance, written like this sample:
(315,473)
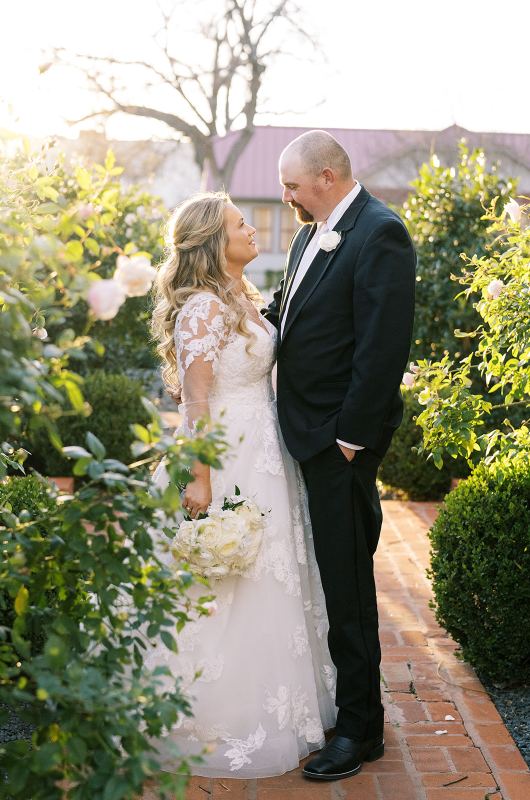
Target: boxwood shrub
(116,404)
(481,569)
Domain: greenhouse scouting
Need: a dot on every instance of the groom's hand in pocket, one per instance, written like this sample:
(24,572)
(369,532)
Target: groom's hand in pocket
(347,452)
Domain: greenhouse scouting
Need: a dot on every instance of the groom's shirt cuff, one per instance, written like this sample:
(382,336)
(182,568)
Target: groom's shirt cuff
(351,446)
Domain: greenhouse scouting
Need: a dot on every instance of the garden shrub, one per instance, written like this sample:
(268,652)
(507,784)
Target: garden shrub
(407,471)
(27,497)
(444,215)
(116,402)
(85,571)
(481,568)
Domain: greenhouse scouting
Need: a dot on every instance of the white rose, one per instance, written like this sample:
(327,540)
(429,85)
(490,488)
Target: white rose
(135,274)
(513,209)
(495,288)
(130,218)
(207,530)
(329,241)
(210,607)
(408,379)
(105,297)
(40,333)
(228,548)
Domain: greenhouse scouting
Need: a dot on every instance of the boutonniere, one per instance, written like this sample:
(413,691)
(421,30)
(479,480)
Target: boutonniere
(329,241)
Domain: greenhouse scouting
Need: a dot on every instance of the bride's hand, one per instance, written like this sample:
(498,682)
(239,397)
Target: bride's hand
(197,497)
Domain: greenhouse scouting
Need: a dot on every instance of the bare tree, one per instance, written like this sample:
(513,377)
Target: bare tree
(203,102)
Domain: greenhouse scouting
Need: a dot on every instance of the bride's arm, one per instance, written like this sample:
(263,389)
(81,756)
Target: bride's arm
(200,336)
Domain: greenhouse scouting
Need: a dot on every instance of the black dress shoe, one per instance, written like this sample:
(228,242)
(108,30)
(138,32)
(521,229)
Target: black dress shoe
(343,757)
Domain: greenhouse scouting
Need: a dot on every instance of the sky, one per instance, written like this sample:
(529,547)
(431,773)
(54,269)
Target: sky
(406,64)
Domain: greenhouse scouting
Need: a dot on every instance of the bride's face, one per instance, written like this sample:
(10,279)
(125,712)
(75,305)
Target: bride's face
(241,247)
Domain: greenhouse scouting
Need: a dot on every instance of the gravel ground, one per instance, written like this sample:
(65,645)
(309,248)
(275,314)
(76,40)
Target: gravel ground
(14,728)
(514,707)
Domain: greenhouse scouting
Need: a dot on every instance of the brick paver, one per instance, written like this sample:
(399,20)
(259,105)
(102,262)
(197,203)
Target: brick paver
(428,755)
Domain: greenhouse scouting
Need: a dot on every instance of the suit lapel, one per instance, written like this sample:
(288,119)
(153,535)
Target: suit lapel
(322,261)
(297,252)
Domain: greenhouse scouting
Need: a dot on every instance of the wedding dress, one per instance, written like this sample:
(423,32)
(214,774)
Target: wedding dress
(266,689)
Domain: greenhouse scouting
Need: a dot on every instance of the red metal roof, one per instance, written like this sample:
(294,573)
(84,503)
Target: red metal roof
(256,173)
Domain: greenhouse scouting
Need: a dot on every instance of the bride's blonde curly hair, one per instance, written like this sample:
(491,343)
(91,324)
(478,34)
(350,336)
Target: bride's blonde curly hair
(196,241)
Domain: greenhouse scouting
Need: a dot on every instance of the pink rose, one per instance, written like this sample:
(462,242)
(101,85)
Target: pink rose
(105,297)
(85,211)
(408,379)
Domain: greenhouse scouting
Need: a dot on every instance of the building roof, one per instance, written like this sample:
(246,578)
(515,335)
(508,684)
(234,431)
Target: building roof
(256,172)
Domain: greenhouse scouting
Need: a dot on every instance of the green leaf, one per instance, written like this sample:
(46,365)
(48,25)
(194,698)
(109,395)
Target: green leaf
(141,433)
(116,788)
(110,160)
(74,395)
(77,749)
(168,640)
(74,249)
(81,465)
(74,451)
(92,246)
(83,178)
(22,600)
(96,446)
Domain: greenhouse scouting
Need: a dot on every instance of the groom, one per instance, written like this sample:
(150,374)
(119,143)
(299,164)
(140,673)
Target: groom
(344,313)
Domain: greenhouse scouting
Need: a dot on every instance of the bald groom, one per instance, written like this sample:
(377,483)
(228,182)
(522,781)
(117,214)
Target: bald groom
(344,313)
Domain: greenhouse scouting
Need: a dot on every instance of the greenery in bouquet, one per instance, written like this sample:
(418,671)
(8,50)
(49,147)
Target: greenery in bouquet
(84,592)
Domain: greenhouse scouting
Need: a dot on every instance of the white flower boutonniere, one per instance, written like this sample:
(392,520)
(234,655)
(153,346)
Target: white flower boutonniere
(329,241)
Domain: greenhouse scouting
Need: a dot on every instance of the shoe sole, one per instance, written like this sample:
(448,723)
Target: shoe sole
(373,755)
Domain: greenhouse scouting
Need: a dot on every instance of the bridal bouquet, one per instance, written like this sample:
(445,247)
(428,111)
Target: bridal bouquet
(225,542)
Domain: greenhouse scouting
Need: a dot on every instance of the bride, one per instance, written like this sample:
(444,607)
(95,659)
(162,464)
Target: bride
(265,691)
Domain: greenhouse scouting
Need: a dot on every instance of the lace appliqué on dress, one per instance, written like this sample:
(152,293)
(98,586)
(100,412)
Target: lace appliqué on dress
(240,749)
(291,708)
(200,331)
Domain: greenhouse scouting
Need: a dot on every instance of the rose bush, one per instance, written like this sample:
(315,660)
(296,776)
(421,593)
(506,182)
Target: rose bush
(84,589)
(456,419)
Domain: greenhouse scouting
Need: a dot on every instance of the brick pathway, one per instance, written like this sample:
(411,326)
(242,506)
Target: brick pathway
(423,684)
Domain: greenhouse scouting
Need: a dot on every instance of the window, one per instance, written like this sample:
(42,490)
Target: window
(263,221)
(288,226)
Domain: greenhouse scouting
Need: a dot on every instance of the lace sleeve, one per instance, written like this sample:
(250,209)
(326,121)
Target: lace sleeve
(200,335)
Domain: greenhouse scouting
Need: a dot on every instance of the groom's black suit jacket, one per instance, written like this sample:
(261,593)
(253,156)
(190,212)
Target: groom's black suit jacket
(347,335)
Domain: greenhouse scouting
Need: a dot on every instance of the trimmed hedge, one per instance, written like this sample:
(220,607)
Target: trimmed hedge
(404,469)
(116,402)
(481,569)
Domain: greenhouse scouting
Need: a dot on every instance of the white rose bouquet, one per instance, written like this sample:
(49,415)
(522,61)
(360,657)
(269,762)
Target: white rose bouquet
(225,542)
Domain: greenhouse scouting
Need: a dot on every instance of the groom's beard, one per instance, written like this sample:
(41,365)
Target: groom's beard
(302,215)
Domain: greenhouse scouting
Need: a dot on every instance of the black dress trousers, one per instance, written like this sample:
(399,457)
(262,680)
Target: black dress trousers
(346,519)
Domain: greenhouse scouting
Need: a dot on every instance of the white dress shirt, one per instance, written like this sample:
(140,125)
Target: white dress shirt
(309,254)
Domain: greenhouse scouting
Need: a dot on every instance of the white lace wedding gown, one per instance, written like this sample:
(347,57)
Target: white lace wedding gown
(265,694)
